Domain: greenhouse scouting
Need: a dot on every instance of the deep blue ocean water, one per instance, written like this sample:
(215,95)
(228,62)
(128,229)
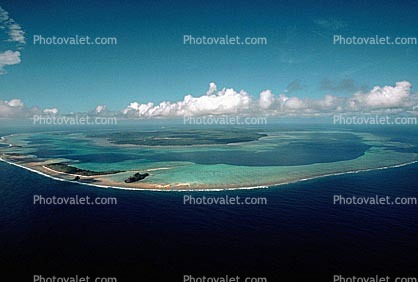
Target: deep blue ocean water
(149,236)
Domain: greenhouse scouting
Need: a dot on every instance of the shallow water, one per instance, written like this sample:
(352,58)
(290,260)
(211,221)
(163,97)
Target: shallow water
(283,156)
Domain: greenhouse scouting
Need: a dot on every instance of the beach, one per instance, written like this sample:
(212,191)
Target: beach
(104,181)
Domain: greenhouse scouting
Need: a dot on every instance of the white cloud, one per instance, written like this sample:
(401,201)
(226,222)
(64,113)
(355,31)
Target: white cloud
(15,108)
(9,58)
(4,15)
(12,108)
(15,34)
(212,88)
(383,97)
(266,99)
(15,103)
(284,105)
(225,101)
(13,29)
(100,108)
(52,111)
(229,101)
(139,109)
(294,104)
(386,99)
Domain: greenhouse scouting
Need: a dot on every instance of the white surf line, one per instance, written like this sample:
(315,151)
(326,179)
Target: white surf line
(81,183)
(50,176)
(209,189)
(32,170)
(155,169)
(298,180)
(203,189)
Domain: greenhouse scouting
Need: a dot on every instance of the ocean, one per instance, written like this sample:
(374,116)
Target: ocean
(300,235)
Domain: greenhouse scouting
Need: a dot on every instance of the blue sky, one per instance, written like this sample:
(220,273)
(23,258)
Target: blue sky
(150,63)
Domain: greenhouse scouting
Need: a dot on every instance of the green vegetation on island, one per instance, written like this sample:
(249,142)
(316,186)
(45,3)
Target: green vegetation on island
(136,177)
(180,138)
(61,167)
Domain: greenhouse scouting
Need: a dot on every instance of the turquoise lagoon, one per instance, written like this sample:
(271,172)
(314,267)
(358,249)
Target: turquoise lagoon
(279,156)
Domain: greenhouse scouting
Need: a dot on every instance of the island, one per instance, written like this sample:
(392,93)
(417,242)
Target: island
(210,159)
(180,138)
(62,167)
(136,177)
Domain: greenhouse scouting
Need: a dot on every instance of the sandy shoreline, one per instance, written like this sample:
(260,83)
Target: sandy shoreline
(103,181)
(35,165)
(99,181)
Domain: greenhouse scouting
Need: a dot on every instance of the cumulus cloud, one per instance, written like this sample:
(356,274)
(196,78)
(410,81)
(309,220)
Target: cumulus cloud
(103,111)
(266,99)
(15,108)
(12,108)
(223,102)
(9,58)
(387,98)
(227,101)
(212,88)
(397,96)
(230,101)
